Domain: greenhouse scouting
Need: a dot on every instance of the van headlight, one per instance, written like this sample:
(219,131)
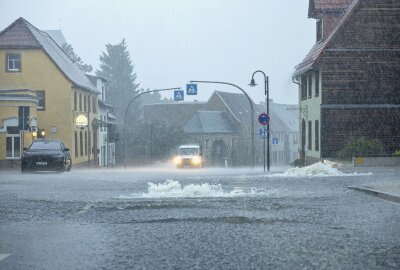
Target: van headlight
(177,160)
(196,160)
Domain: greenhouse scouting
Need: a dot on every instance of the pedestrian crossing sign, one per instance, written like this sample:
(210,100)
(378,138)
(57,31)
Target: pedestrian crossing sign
(178,95)
(191,89)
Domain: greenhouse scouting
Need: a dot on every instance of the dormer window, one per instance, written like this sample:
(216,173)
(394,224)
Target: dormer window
(13,62)
(320,33)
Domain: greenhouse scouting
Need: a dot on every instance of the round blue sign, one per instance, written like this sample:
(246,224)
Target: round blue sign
(263,119)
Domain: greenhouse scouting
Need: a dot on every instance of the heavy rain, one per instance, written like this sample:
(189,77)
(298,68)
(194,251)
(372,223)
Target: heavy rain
(187,134)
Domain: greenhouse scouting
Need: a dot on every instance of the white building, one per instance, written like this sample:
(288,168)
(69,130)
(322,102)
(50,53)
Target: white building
(105,126)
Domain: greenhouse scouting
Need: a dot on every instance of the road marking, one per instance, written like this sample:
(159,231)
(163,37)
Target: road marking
(3,256)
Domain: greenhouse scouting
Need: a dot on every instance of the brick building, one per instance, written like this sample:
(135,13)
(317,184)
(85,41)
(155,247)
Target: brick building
(349,82)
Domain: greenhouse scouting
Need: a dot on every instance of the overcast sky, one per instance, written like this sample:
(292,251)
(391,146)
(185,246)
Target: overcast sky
(174,41)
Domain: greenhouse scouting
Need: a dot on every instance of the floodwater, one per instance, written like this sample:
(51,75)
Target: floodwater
(197,219)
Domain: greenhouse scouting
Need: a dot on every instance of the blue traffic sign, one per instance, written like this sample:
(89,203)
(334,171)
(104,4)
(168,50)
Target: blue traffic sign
(263,133)
(263,119)
(178,95)
(191,89)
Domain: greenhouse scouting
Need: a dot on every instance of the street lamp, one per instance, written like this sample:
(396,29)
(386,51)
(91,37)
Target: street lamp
(126,112)
(251,114)
(266,88)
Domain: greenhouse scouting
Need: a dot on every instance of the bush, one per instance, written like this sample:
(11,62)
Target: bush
(397,153)
(362,147)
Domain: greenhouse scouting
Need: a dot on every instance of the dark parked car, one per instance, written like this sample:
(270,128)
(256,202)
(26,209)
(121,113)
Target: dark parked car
(46,155)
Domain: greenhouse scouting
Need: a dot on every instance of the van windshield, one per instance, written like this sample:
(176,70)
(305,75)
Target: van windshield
(188,151)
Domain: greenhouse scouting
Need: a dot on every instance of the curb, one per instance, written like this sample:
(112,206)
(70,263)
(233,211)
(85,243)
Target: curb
(377,193)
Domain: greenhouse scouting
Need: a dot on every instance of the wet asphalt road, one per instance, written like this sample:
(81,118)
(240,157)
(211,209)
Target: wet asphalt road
(112,219)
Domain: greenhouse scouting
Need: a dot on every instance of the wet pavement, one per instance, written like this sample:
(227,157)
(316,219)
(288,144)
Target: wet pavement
(197,219)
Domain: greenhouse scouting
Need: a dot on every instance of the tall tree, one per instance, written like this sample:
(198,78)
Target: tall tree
(67,48)
(116,67)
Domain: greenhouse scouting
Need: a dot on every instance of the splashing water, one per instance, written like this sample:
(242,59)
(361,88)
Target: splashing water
(174,189)
(318,169)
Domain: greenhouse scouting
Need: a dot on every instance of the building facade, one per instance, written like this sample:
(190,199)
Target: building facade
(349,83)
(222,127)
(105,126)
(32,60)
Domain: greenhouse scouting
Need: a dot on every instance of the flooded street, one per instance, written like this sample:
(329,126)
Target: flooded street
(196,219)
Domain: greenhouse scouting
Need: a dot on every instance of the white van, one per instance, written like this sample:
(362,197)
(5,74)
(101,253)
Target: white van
(189,156)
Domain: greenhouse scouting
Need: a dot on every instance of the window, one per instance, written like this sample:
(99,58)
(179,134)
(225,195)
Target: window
(316,135)
(320,33)
(103,94)
(76,144)
(309,135)
(94,104)
(13,144)
(75,101)
(303,87)
(13,62)
(23,117)
(84,103)
(101,122)
(41,96)
(316,83)
(309,84)
(81,142)
(80,102)
(88,104)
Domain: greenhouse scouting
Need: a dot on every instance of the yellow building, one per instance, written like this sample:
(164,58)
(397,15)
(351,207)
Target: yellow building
(32,60)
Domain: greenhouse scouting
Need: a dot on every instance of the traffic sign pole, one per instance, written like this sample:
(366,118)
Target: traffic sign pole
(264,149)
(264,119)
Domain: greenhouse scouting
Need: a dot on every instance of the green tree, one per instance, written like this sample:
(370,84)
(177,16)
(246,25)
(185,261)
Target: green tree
(154,142)
(116,67)
(67,48)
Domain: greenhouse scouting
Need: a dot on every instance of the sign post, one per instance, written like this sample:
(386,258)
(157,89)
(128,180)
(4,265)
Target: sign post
(264,119)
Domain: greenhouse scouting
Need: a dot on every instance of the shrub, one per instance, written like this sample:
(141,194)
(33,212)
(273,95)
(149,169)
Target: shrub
(397,153)
(361,147)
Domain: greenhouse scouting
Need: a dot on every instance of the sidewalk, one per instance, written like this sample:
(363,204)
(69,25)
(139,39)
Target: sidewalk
(390,192)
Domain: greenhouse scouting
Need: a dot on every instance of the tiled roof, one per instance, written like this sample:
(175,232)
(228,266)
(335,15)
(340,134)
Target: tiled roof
(209,122)
(57,36)
(238,104)
(314,54)
(21,35)
(331,4)
(317,6)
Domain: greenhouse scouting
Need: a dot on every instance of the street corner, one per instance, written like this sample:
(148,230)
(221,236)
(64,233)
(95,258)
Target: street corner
(389,192)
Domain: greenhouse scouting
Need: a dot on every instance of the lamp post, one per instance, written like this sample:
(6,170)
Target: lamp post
(251,114)
(126,112)
(266,89)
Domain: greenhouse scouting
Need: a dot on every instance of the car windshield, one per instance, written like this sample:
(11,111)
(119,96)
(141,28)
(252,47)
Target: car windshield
(188,151)
(45,145)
